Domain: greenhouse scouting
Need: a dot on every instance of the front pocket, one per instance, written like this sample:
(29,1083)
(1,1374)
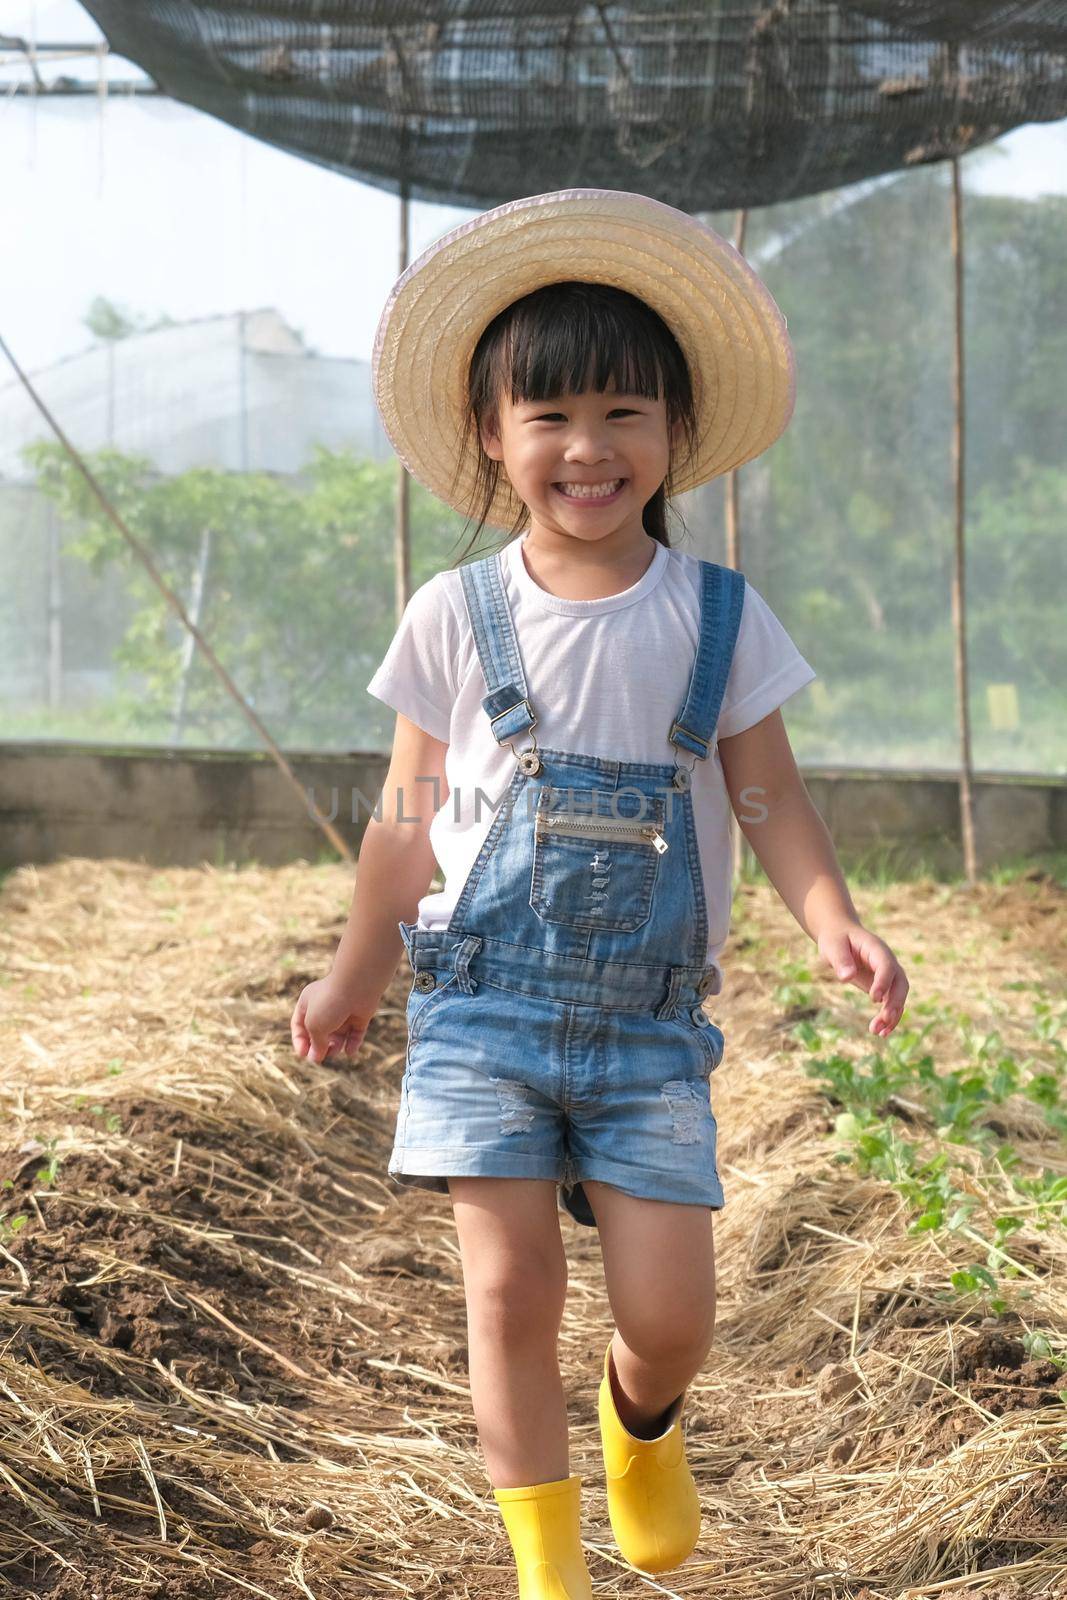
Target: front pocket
(421,1002)
(708,1036)
(592,869)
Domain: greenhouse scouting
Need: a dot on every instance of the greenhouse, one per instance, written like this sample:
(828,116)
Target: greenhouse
(359,1178)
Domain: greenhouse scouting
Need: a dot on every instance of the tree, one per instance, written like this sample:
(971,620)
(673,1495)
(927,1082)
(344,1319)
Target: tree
(298,602)
(108,322)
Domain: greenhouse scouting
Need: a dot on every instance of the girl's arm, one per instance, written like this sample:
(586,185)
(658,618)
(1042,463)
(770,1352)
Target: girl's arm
(779,819)
(395,867)
(396,861)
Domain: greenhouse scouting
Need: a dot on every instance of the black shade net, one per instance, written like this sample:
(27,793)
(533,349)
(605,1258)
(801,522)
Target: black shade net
(706,105)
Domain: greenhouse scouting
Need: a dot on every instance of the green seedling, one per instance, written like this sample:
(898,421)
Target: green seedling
(900,1086)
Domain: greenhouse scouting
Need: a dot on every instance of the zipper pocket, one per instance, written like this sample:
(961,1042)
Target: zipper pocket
(622,828)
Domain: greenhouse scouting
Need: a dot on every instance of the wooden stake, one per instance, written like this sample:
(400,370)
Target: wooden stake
(959,593)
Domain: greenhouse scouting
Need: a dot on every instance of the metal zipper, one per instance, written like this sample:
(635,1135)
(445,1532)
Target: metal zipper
(600,828)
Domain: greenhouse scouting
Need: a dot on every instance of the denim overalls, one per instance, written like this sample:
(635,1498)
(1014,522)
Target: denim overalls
(555,1028)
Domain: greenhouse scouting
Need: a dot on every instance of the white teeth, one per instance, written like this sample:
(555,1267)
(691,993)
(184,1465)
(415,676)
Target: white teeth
(581,491)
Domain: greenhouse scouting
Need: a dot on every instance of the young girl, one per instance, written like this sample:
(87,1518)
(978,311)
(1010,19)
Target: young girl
(576,715)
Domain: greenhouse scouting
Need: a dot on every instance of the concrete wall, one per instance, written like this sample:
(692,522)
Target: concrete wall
(183,807)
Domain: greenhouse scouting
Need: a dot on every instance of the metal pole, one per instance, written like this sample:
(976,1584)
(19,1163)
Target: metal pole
(402,529)
(188,654)
(959,593)
(739,844)
(242,395)
(55,614)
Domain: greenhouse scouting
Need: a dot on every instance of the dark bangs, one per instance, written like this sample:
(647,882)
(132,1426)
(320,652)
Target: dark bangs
(568,338)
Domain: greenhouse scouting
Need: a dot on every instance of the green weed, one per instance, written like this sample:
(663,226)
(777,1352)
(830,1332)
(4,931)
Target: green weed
(888,1092)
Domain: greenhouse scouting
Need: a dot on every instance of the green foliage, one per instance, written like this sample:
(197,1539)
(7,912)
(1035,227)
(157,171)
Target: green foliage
(795,991)
(108,321)
(856,523)
(1052,863)
(12,1225)
(884,864)
(847,522)
(902,1119)
(297,600)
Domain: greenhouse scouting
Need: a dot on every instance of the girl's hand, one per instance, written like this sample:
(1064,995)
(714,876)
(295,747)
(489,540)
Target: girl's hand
(325,1022)
(860,957)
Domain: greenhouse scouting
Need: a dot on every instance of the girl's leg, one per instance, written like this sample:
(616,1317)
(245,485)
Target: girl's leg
(515,1282)
(659,1267)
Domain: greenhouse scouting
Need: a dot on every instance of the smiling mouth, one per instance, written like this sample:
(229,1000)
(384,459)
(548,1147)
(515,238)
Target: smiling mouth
(591,491)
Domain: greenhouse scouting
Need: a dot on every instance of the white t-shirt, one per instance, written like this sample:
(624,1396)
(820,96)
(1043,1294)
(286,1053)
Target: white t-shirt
(605,678)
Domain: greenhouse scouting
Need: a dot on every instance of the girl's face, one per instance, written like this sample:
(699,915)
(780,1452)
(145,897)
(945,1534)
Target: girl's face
(611,441)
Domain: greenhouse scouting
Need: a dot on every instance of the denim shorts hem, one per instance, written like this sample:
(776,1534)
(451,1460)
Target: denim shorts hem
(419,1180)
(461,1162)
(644,1185)
(414,1168)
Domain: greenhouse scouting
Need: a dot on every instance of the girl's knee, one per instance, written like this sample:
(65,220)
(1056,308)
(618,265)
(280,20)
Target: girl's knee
(518,1301)
(675,1341)
(514,1263)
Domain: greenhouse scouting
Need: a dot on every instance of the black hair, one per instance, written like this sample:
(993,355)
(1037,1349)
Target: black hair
(559,339)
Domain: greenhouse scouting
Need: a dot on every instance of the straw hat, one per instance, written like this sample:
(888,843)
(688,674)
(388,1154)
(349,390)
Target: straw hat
(724,318)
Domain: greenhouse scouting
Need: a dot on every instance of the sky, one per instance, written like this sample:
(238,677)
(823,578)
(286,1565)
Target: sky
(162,209)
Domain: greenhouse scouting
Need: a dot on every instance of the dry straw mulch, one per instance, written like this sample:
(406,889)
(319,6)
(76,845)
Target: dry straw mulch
(232,1357)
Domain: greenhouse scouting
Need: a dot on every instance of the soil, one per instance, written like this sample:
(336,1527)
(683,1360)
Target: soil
(234,1353)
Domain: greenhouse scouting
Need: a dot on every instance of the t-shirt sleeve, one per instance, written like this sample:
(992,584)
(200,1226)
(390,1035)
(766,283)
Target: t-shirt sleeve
(766,669)
(417,672)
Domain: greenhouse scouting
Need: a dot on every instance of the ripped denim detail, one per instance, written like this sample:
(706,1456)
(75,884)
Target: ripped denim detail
(516,1116)
(687,1099)
(601,868)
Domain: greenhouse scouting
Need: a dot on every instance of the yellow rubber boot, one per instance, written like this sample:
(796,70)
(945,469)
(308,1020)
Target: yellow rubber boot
(542,1520)
(653,1503)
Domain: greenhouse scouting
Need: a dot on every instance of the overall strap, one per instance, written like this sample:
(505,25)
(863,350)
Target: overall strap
(722,596)
(506,705)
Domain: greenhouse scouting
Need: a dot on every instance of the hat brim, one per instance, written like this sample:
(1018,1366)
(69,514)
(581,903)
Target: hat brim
(726,321)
